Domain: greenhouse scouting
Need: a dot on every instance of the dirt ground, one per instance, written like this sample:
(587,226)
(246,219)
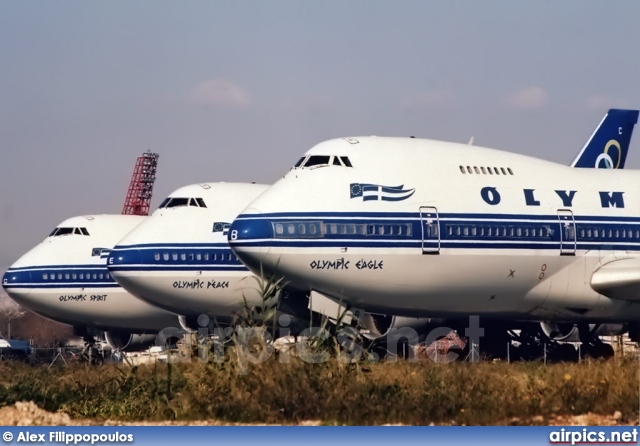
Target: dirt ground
(29,414)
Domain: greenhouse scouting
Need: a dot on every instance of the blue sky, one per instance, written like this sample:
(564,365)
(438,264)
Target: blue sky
(236,91)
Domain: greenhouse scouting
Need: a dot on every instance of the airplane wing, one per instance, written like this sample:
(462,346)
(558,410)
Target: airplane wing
(618,279)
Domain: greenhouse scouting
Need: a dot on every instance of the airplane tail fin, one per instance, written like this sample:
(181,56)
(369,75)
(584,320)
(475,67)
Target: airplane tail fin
(608,145)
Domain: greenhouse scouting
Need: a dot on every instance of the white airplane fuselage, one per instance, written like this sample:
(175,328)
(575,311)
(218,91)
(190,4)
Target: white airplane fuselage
(429,228)
(179,259)
(65,278)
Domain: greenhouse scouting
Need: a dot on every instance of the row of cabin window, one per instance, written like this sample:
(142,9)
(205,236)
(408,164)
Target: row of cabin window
(319,229)
(77,276)
(484,170)
(491,231)
(607,233)
(546,231)
(198,256)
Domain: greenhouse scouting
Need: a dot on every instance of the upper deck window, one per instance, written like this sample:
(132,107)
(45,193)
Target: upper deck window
(484,170)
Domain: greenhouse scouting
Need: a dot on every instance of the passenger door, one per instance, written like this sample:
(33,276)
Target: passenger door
(430,224)
(567,232)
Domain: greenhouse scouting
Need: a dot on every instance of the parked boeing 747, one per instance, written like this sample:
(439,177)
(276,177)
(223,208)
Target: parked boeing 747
(426,228)
(179,258)
(65,278)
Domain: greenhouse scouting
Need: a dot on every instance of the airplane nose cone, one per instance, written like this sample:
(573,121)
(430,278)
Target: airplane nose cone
(124,262)
(18,283)
(250,230)
(250,237)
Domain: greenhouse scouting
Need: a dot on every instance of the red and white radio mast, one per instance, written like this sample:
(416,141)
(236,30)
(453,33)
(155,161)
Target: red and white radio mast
(141,186)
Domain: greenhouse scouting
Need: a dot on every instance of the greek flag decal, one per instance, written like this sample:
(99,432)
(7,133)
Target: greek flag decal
(374,192)
(220,226)
(103,253)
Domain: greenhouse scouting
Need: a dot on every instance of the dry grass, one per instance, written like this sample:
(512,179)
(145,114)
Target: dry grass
(274,392)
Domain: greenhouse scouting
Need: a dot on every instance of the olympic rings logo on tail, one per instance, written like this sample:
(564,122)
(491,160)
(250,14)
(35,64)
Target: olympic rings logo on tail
(605,161)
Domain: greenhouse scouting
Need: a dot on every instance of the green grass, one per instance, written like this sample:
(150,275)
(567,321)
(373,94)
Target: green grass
(336,393)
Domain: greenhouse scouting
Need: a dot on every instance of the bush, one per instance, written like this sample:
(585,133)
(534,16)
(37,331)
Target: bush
(337,393)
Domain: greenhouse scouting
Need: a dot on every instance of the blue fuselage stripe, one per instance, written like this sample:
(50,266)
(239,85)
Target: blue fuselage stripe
(452,231)
(369,216)
(174,257)
(59,276)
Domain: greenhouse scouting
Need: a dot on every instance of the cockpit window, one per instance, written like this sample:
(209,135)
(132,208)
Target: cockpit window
(174,202)
(61,231)
(197,202)
(177,202)
(323,160)
(317,160)
(68,231)
(345,161)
